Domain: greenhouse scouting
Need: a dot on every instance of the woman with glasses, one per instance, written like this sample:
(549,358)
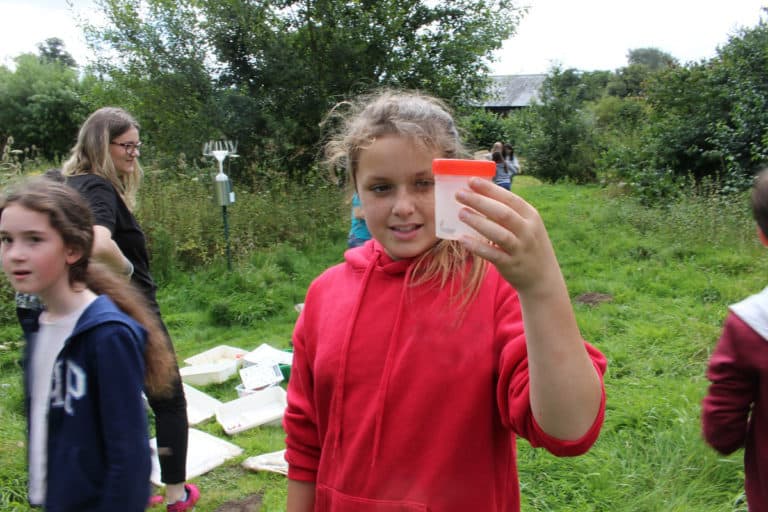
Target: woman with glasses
(104,168)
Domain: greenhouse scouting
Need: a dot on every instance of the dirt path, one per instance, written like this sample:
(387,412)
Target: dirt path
(250,504)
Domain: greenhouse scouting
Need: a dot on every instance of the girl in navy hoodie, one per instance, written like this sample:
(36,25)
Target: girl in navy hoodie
(89,355)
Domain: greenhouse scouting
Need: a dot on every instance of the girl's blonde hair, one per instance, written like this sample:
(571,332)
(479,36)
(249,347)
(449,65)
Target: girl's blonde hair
(90,155)
(71,217)
(427,121)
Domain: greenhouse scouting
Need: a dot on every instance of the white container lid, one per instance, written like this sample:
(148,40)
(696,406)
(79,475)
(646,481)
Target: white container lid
(200,406)
(266,352)
(204,453)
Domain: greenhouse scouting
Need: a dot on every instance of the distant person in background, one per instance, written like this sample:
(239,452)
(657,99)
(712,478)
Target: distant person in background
(497,147)
(358,230)
(503,177)
(104,168)
(735,409)
(511,159)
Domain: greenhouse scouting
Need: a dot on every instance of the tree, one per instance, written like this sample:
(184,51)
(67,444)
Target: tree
(286,63)
(152,61)
(40,105)
(741,133)
(710,119)
(562,145)
(652,58)
(53,51)
(641,64)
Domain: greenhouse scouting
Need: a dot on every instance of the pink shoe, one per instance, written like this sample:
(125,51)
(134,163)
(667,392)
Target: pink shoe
(193,494)
(155,500)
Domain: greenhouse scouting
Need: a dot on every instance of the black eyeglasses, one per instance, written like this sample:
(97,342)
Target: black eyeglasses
(129,147)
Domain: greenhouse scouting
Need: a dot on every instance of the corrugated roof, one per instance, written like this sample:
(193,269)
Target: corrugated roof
(508,91)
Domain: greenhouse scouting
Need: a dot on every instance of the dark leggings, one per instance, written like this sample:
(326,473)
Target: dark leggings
(171,425)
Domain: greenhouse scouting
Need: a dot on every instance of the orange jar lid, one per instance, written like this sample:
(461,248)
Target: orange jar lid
(484,168)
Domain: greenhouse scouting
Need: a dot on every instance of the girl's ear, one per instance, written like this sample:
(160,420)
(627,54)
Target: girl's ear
(763,238)
(73,255)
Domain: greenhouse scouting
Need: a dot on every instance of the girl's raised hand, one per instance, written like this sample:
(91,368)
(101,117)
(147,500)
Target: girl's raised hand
(520,247)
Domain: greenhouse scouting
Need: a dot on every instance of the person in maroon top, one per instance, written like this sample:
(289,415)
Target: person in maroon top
(735,409)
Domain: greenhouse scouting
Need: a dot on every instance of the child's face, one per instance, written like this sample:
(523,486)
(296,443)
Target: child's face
(33,253)
(396,188)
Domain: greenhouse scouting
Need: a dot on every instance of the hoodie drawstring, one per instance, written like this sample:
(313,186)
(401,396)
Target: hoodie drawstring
(338,400)
(382,392)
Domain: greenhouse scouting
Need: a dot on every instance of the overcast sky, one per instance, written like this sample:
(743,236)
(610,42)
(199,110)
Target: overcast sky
(582,34)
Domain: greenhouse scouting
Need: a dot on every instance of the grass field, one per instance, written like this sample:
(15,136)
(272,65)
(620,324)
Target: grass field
(650,289)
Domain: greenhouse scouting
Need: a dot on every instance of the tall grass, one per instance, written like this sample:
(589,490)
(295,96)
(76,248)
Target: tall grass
(185,226)
(670,274)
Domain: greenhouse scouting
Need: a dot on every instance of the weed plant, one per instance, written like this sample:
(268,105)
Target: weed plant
(669,274)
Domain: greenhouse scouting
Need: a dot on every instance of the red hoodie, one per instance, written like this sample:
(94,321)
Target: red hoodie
(399,402)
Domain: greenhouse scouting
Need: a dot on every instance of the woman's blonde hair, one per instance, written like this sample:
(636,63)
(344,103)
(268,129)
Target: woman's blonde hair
(90,155)
(427,121)
(70,216)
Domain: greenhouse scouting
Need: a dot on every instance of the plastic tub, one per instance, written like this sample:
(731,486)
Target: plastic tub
(211,373)
(217,354)
(451,175)
(262,407)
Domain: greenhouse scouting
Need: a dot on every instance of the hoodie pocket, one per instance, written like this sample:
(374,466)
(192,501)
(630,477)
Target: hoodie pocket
(331,500)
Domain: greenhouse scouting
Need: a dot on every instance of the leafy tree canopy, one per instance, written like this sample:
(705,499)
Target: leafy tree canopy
(267,72)
(652,58)
(40,105)
(53,51)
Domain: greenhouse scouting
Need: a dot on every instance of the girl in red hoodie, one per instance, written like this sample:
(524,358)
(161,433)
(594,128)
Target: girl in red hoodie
(418,361)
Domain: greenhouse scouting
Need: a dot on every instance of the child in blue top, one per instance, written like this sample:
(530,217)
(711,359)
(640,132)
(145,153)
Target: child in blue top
(358,230)
(86,362)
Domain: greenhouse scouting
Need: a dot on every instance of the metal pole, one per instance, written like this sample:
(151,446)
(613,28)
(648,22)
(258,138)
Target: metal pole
(226,236)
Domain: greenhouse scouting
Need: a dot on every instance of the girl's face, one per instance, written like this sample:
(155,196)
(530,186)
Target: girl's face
(124,151)
(33,254)
(396,189)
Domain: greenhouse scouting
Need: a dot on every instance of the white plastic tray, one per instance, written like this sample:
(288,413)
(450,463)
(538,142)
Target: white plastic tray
(204,453)
(200,406)
(216,355)
(210,373)
(262,407)
(266,352)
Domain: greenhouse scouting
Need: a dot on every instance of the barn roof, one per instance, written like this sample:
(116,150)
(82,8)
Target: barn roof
(513,91)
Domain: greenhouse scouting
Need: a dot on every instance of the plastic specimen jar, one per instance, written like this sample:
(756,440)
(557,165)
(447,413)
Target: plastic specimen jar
(451,175)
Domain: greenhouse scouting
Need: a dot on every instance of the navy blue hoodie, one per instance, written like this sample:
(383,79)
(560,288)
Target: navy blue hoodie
(98,445)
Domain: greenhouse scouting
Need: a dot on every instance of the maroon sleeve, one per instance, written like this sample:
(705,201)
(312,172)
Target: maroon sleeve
(734,383)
